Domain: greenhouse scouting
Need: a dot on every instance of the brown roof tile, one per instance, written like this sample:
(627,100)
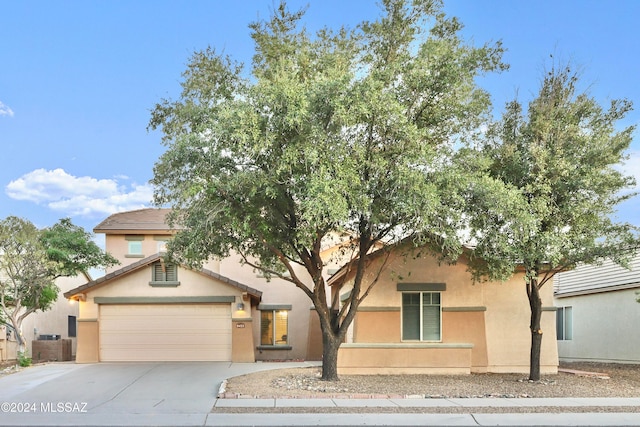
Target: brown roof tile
(142,219)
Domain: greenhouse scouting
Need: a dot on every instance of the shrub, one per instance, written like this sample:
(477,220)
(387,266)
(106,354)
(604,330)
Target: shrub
(23,360)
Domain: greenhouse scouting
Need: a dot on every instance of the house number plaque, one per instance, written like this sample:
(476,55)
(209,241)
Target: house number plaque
(239,325)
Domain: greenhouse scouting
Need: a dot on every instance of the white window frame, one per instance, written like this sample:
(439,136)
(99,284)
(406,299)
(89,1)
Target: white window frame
(566,328)
(421,323)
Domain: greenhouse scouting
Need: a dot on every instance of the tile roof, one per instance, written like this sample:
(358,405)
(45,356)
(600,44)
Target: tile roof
(141,219)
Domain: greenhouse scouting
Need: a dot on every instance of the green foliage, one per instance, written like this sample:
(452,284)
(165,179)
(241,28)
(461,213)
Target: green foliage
(547,194)
(31,260)
(23,360)
(71,250)
(348,130)
(551,185)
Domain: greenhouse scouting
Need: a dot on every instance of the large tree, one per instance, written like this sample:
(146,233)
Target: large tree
(32,259)
(551,185)
(347,131)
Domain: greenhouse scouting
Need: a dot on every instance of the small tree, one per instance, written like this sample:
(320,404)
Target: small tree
(550,190)
(350,131)
(31,260)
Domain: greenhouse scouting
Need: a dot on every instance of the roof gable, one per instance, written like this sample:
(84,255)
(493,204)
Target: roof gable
(143,263)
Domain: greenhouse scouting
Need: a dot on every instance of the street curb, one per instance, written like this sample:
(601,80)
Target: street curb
(222,390)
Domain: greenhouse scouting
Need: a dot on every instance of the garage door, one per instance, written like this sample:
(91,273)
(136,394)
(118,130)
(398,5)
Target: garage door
(165,332)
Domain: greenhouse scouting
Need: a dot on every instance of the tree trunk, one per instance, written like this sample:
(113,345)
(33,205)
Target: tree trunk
(16,323)
(330,345)
(536,331)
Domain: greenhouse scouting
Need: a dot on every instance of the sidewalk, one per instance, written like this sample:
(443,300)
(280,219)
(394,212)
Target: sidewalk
(338,420)
(428,419)
(431,403)
(190,418)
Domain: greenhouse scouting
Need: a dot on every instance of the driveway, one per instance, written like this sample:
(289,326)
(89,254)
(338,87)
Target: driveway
(161,393)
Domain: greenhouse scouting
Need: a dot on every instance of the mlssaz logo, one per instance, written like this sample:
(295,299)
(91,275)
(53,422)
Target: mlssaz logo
(65,407)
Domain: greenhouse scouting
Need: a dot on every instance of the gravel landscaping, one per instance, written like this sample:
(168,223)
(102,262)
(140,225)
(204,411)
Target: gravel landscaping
(590,380)
(618,381)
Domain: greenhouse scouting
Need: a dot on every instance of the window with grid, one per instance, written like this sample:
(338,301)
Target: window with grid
(274,327)
(421,319)
(564,323)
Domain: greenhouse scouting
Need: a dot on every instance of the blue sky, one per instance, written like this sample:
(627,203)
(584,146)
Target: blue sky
(78,80)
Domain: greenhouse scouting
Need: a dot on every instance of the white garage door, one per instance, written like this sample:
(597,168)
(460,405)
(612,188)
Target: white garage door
(165,332)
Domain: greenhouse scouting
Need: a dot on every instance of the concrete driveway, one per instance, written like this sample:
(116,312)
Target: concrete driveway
(161,393)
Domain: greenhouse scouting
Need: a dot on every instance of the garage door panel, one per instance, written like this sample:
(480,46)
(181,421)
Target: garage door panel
(165,332)
(174,325)
(145,339)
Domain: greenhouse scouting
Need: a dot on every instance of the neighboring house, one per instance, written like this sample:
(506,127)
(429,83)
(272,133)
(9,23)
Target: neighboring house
(424,316)
(148,310)
(59,321)
(598,316)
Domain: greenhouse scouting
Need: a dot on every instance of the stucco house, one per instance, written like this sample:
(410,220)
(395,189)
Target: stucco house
(598,316)
(424,316)
(148,310)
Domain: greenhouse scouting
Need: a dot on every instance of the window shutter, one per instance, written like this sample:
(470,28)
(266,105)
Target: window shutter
(171,273)
(158,273)
(164,272)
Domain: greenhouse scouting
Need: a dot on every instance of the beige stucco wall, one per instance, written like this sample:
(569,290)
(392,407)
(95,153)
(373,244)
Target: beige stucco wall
(8,348)
(136,284)
(242,340)
(118,246)
(304,332)
(88,350)
(492,319)
(276,292)
(399,359)
(55,320)
(508,334)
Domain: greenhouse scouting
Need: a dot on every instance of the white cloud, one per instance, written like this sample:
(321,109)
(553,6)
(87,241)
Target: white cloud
(5,110)
(83,196)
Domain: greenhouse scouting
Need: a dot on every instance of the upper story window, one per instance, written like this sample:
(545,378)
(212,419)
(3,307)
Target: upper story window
(134,246)
(161,245)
